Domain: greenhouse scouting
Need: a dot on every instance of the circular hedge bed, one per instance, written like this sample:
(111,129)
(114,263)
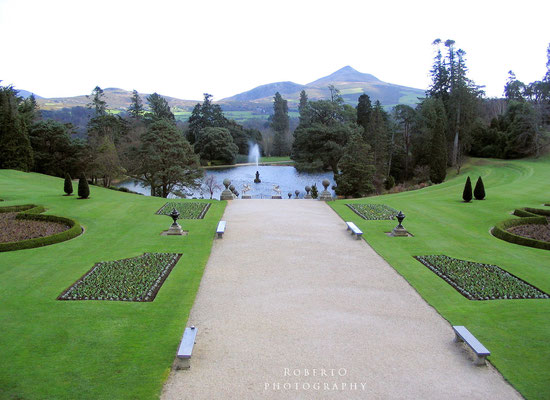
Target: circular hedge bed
(31,212)
(508,230)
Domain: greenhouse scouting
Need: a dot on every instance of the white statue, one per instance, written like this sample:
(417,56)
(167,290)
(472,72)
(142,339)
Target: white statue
(246,188)
(276,189)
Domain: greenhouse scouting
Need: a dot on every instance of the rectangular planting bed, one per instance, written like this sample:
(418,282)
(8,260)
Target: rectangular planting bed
(186,210)
(477,281)
(373,211)
(131,279)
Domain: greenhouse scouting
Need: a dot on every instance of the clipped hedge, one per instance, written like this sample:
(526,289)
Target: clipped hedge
(527,216)
(32,212)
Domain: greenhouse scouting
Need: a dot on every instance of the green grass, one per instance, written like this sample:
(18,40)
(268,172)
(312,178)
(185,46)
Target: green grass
(517,332)
(55,349)
(275,159)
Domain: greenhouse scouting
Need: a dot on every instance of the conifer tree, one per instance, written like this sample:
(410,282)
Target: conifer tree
(364,111)
(280,124)
(83,188)
(479,190)
(15,146)
(136,108)
(467,193)
(68,187)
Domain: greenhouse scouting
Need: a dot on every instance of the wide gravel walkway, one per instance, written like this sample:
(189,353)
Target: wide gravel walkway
(292,307)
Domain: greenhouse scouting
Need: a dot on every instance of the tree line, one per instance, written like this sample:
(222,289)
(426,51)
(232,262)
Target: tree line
(143,144)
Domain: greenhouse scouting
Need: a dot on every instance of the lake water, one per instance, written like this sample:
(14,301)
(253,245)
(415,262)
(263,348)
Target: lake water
(287,177)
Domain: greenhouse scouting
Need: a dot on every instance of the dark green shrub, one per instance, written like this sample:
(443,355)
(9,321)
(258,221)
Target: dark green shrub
(68,187)
(467,193)
(83,188)
(314,191)
(389,182)
(479,190)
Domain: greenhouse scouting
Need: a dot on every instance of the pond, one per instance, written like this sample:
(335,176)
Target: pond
(287,177)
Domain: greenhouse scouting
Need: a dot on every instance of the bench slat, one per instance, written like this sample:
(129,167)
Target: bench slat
(354,228)
(187,342)
(471,341)
(221,227)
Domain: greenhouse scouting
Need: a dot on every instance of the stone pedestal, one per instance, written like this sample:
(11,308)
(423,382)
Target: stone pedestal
(175,229)
(325,194)
(246,196)
(226,194)
(399,231)
(276,196)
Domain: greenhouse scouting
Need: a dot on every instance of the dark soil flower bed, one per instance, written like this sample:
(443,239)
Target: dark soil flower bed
(373,211)
(130,279)
(477,281)
(15,230)
(186,210)
(532,231)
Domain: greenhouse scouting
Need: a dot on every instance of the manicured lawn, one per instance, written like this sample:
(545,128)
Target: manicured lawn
(275,159)
(517,332)
(52,349)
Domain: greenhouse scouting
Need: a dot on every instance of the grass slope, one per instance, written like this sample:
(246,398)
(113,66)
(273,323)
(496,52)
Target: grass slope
(517,332)
(93,349)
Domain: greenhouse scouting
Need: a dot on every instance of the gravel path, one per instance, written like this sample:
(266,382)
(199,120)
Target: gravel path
(292,307)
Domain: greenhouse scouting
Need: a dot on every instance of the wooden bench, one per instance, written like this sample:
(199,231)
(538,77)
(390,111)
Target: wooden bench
(354,229)
(463,335)
(186,348)
(220,230)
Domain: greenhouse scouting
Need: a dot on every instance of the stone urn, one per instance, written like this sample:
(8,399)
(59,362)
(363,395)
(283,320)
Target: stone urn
(308,195)
(297,193)
(175,228)
(399,230)
(325,194)
(226,194)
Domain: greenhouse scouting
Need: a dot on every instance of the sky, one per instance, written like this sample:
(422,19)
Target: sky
(58,48)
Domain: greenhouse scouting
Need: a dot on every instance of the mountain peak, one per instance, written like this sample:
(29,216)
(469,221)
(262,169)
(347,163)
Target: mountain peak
(345,74)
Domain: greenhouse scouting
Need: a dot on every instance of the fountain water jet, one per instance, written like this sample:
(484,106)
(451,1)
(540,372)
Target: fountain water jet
(253,153)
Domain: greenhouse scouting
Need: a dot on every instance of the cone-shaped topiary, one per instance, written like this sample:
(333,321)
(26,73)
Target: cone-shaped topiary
(467,194)
(68,187)
(479,191)
(84,189)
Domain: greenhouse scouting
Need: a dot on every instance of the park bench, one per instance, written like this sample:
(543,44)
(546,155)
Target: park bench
(186,348)
(464,335)
(220,230)
(354,229)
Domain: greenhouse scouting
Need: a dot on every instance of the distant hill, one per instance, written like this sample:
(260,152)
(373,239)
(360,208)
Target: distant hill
(349,81)
(117,99)
(25,94)
(259,100)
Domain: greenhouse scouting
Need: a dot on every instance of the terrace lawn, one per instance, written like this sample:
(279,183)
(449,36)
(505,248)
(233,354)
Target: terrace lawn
(517,332)
(53,349)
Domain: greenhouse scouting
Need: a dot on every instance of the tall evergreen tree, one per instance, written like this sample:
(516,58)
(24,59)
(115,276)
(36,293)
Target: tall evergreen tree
(205,115)
(435,125)
(136,108)
(97,102)
(159,108)
(356,169)
(280,124)
(15,146)
(364,111)
(303,108)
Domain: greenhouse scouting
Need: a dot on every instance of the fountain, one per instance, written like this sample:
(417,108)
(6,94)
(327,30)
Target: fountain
(253,153)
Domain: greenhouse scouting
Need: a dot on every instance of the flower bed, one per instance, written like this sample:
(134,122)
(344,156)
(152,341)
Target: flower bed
(373,211)
(528,216)
(477,281)
(130,279)
(186,210)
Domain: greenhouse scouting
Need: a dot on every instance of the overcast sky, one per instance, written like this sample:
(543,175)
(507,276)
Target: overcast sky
(184,48)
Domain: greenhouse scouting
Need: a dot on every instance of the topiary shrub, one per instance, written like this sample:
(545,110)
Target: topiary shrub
(83,188)
(467,193)
(479,190)
(314,191)
(68,186)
